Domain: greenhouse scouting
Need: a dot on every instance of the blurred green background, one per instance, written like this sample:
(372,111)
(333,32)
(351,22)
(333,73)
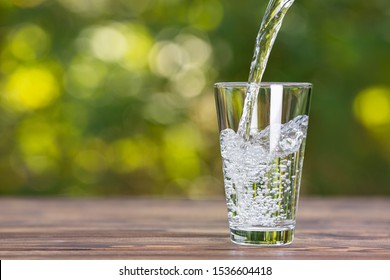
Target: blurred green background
(115,97)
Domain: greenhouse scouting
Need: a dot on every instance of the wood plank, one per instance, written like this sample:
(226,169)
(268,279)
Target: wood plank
(143,228)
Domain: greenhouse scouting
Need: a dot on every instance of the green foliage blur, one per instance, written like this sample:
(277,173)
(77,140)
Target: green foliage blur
(115,97)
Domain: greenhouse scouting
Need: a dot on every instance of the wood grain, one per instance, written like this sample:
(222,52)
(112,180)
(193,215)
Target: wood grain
(131,228)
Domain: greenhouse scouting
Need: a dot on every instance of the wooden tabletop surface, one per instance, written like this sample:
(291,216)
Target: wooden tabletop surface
(143,228)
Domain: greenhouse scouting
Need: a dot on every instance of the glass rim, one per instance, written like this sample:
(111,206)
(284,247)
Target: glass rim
(265,84)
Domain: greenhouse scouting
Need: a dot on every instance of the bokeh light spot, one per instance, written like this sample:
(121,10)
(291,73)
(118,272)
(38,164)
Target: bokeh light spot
(189,83)
(166,58)
(139,43)
(171,58)
(84,76)
(198,50)
(30,88)
(88,74)
(127,44)
(109,44)
(372,107)
(28,42)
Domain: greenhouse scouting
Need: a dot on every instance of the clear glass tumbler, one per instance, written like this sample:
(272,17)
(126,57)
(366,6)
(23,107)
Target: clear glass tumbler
(262,174)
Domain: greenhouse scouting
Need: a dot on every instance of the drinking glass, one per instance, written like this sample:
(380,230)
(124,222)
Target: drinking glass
(262,172)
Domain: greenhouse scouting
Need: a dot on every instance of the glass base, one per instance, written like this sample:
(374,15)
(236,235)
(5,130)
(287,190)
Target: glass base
(260,237)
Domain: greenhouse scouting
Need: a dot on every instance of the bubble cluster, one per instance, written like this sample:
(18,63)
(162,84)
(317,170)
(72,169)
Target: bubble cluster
(260,182)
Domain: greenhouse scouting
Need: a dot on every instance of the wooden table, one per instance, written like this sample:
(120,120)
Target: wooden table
(143,228)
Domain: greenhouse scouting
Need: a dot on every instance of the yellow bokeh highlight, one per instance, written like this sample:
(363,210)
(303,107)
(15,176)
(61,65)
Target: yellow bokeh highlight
(28,42)
(372,107)
(30,88)
(140,43)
